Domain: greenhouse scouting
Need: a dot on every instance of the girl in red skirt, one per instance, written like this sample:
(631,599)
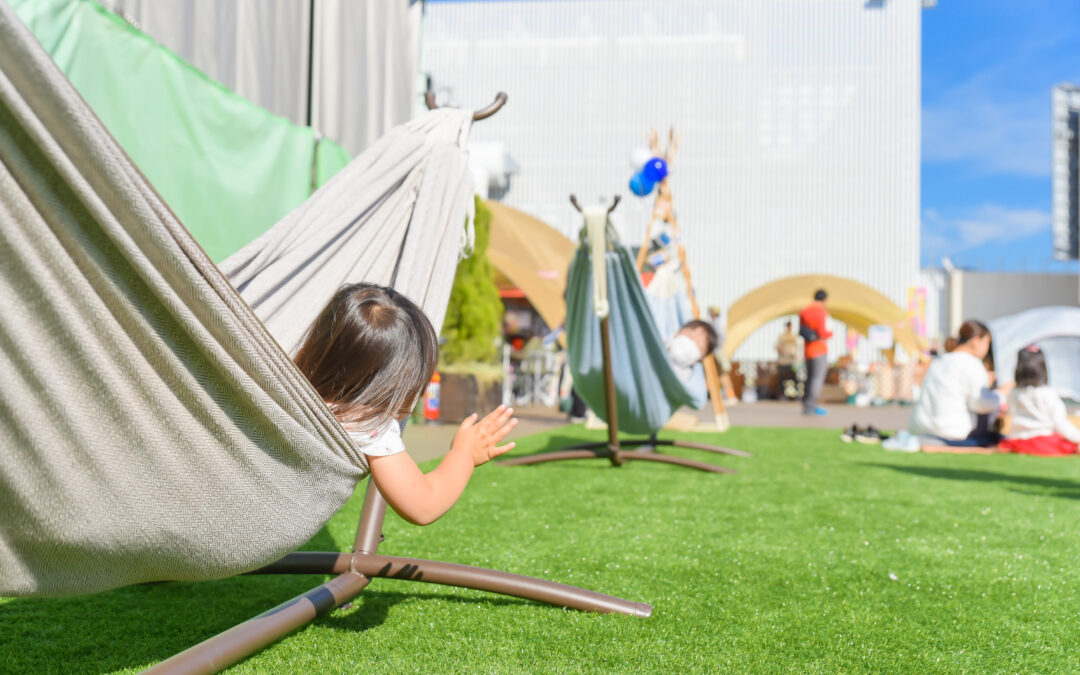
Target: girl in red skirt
(1040,424)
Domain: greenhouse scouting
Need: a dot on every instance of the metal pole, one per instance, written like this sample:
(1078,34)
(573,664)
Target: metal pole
(465,576)
(369,531)
(311,62)
(227,648)
(610,402)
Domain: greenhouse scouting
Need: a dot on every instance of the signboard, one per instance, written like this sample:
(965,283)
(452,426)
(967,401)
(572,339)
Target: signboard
(880,336)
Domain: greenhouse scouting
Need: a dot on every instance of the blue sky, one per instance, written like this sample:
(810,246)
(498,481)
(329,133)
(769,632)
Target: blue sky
(988,66)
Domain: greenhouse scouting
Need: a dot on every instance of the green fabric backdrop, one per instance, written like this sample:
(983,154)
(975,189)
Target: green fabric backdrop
(228,168)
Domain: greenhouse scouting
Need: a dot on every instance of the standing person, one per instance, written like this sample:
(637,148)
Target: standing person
(723,363)
(955,402)
(787,353)
(1040,423)
(813,331)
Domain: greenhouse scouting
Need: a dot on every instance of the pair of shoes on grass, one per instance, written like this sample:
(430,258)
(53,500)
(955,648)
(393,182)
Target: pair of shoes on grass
(869,435)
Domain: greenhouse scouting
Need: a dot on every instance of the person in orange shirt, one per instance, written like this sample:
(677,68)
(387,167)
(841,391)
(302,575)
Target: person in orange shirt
(814,333)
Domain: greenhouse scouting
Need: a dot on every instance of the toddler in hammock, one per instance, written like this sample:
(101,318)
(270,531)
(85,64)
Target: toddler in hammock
(694,341)
(370,354)
(1040,425)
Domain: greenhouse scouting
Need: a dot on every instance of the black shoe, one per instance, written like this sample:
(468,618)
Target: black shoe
(870,435)
(850,433)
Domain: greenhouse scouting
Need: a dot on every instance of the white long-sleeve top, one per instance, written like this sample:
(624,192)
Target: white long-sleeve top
(954,390)
(1038,411)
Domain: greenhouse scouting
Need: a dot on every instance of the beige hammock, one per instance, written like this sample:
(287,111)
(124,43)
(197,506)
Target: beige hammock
(151,428)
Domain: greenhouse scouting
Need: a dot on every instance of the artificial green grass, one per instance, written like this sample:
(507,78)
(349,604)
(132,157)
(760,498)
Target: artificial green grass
(817,556)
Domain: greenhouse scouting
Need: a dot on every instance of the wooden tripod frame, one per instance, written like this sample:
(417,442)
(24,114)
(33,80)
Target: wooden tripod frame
(664,211)
(613,449)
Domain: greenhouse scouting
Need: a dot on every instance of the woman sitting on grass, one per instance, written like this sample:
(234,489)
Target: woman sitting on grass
(955,403)
(1040,423)
(370,354)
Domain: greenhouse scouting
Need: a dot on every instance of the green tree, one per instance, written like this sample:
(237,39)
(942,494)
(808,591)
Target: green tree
(474,314)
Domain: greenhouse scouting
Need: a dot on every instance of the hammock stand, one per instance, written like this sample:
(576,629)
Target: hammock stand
(614,449)
(355,570)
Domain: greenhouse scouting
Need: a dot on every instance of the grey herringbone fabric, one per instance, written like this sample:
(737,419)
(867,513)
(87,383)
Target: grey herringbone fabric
(150,427)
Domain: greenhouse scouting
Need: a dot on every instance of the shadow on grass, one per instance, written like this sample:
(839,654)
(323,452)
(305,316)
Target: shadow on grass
(135,625)
(374,606)
(1066,489)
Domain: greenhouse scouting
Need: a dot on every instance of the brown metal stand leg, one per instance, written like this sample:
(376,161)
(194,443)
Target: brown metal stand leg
(558,455)
(655,442)
(709,448)
(367,562)
(677,461)
(369,530)
(478,578)
(245,639)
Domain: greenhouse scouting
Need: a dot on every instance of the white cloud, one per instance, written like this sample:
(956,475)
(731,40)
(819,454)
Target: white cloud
(986,224)
(998,120)
(996,136)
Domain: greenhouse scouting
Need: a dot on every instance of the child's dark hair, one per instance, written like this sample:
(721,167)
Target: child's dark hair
(370,353)
(1031,367)
(710,333)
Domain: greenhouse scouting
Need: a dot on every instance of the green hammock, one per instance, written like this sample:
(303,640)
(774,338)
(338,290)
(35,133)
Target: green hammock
(648,391)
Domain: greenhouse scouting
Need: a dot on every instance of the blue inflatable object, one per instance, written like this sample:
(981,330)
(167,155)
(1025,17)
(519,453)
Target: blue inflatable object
(640,185)
(655,170)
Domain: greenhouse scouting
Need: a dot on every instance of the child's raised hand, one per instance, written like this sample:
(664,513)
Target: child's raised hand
(481,439)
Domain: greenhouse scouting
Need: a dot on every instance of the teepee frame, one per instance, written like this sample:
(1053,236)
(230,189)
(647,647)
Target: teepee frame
(664,211)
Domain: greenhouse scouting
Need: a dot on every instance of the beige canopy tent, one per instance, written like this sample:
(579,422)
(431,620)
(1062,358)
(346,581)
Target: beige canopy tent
(534,256)
(855,304)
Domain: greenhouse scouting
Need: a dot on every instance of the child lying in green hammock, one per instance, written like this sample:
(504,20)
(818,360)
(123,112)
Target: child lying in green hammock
(694,341)
(370,354)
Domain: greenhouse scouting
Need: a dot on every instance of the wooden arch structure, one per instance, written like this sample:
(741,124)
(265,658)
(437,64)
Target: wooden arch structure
(851,302)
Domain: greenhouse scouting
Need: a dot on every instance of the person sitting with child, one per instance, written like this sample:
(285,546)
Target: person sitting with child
(694,341)
(955,403)
(1040,423)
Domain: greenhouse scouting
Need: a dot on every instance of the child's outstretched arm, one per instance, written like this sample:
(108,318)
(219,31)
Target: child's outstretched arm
(422,498)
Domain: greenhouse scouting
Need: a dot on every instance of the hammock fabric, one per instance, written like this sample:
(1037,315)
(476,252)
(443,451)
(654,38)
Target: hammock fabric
(150,426)
(397,215)
(648,391)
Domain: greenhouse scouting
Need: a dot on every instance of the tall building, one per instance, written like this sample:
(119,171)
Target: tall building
(800,125)
(1066,171)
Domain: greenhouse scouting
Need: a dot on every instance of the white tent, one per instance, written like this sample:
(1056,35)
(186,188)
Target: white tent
(1057,332)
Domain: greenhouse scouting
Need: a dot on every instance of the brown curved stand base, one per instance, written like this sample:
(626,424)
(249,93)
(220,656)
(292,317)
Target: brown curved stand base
(646,450)
(617,457)
(355,571)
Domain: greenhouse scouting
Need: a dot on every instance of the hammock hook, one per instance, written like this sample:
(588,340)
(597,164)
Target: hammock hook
(574,201)
(481,114)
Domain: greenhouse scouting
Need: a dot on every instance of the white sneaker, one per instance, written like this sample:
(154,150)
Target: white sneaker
(901,442)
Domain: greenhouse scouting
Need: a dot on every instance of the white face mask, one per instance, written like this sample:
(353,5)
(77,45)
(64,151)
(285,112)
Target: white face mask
(684,351)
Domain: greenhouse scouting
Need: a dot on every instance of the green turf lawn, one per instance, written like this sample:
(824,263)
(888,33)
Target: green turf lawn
(817,556)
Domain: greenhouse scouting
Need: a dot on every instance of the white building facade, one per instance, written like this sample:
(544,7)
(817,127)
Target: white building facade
(1065,110)
(799,120)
